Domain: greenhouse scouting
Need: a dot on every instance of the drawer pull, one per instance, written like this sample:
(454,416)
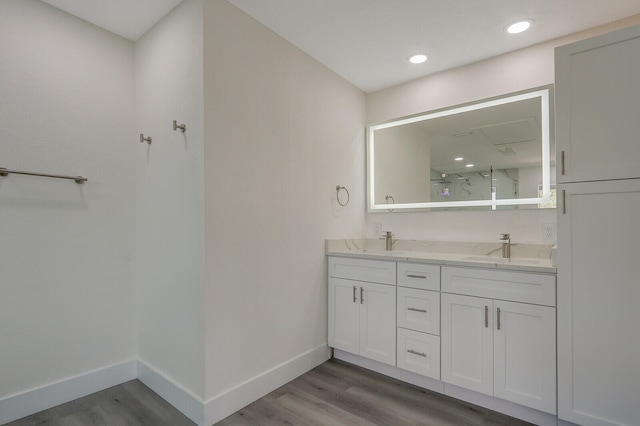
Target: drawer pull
(354,294)
(417,310)
(422,277)
(422,354)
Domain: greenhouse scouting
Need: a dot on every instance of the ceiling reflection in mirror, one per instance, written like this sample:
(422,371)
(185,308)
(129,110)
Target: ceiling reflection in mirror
(494,154)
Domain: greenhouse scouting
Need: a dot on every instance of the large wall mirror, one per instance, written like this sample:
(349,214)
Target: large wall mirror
(493,154)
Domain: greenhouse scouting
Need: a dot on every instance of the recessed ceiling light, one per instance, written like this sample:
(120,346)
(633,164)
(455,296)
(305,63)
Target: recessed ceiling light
(458,159)
(469,165)
(418,59)
(519,26)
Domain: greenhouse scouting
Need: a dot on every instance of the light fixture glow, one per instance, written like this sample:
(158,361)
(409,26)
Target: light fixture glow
(519,26)
(418,59)
(458,158)
(469,165)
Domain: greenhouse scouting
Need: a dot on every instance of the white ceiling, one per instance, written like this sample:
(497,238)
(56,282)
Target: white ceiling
(127,18)
(368,41)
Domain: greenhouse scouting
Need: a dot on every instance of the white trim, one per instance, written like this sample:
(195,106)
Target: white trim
(231,400)
(23,404)
(182,399)
(26,403)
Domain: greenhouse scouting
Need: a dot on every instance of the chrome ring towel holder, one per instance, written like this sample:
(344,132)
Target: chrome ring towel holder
(387,197)
(338,189)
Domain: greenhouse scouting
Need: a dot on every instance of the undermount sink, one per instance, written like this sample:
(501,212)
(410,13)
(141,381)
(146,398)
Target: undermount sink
(502,260)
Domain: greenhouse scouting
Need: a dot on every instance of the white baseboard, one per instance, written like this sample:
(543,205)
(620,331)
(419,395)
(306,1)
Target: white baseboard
(203,414)
(230,401)
(24,404)
(183,400)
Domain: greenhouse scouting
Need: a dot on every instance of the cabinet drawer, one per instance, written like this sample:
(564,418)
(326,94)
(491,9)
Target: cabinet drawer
(418,275)
(419,310)
(539,289)
(419,353)
(375,271)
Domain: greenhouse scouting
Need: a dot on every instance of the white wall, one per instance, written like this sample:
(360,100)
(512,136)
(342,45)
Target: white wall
(67,250)
(281,132)
(170,198)
(520,70)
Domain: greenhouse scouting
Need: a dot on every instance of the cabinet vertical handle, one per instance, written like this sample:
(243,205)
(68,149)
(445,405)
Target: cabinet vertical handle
(361,295)
(354,294)
(564,201)
(486,317)
(562,161)
(498,312)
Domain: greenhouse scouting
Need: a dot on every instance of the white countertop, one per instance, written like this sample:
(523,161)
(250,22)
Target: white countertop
(524,257)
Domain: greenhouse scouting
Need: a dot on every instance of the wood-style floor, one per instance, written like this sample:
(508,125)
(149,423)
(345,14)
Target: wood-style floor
(335,394)
(128,404)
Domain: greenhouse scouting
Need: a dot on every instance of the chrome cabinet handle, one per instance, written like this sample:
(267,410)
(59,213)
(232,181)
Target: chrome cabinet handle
(486,317)
(498,311)
(422,354)
(417,310)
(354,294)
(564,201)
(562,161)
(422,277)
(361,295)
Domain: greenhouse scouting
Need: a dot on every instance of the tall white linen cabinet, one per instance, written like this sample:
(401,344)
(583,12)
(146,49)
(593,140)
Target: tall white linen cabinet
(598,175)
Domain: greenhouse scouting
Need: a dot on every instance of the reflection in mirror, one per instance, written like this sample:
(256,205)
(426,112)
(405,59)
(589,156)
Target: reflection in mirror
(493,154)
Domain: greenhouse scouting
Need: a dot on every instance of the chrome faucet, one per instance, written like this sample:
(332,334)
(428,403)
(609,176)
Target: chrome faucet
(505,239)
(388,241)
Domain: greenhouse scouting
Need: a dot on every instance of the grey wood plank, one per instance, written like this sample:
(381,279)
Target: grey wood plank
(336,393)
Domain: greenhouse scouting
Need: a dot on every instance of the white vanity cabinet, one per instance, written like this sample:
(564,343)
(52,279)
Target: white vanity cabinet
(597,128)
(502,344)
(597,106)
(362,307)
(418,318)
(598,303)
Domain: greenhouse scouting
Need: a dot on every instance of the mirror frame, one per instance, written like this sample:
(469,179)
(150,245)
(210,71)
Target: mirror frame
(544,93)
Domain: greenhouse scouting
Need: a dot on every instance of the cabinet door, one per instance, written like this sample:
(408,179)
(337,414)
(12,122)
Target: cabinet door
(378,322)
(344,319)
(597,106)
(467,342)
(598,303)
(524,356)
